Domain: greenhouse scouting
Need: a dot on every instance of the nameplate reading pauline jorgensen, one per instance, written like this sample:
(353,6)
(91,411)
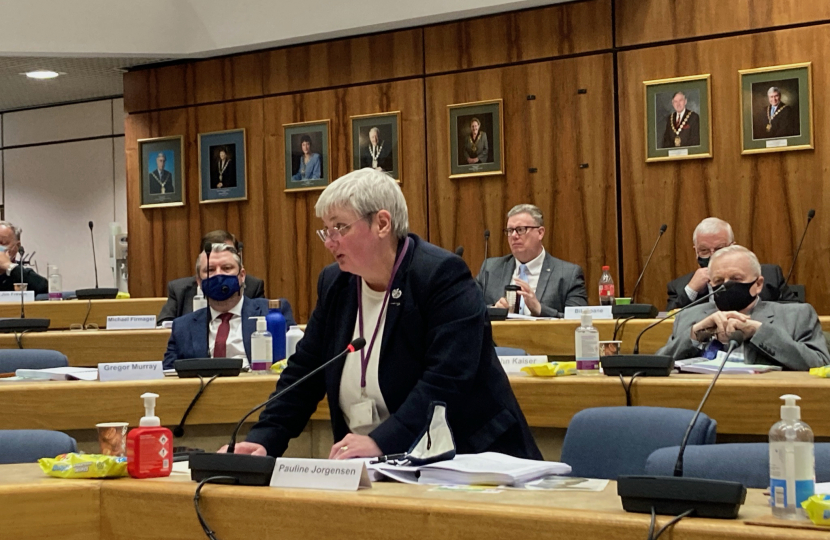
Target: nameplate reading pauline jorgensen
(320,474)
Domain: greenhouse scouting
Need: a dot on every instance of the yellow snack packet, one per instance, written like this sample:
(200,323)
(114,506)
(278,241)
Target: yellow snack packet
(823,371)
(278,367)
(84,466)
(551,369)
(818,509)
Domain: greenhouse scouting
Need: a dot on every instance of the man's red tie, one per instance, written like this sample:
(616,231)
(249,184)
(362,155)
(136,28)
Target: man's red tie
(220,348)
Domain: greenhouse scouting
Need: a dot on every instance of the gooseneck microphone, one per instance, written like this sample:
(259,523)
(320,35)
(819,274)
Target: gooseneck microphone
(97,293)
(459,251)
(663,228)
(486,244)
(248,469)
(810,215)
(673,495)
(21,252)
(207,248)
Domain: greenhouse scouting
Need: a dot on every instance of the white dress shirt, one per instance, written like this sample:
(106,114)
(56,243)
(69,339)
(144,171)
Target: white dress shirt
(350,391)
(534,269)
(234,346)
(692,294)
(11,267)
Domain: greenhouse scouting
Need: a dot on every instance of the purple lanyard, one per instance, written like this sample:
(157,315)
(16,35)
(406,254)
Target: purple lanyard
(366,352)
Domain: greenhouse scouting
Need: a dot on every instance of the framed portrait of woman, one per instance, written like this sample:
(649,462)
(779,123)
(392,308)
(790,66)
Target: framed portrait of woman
(162,171)
(776,109)
(307,155)
(376,143)
(476,139)
(222,166)
(678,118)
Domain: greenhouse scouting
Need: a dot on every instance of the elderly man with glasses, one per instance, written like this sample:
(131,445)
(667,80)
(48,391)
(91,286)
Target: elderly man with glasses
(547,284)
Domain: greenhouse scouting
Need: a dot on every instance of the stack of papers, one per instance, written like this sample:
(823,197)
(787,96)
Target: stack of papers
(489,468)
(59,374)
(711,366)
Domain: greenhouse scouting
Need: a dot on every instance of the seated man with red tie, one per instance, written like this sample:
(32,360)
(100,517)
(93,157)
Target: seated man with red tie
(222,279)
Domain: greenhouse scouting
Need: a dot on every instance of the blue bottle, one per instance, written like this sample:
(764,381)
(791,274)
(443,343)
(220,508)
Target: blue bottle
(276,326)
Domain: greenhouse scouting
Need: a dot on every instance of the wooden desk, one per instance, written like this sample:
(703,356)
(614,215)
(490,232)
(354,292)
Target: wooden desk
(68,312)
(155,508)
(741,404)
(89,347)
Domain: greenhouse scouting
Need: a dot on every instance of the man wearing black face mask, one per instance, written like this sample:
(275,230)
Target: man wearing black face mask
(230,311)
(709,236)
(786,335)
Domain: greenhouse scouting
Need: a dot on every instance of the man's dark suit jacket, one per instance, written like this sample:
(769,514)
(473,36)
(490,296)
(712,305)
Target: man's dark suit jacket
(155,186)
(772,292)
(689,135)
(188,339)
(37,283)
(180,293)
(437,346)
(384,159)
(785,124)
(560,283)
(228,177)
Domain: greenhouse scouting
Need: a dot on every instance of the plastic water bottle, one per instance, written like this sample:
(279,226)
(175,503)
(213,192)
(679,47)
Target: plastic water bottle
(587,344)
(199,300)
(606,287)
(276,325)
(292,337)
(262,351)
(792,466)
(55,283)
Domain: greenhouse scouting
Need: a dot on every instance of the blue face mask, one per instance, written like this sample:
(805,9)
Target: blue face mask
(221,286)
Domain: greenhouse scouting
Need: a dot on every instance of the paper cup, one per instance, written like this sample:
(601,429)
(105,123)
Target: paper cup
(21,287)
(112,436)
(609,348)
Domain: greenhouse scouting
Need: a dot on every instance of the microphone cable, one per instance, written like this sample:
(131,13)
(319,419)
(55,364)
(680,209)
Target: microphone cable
(674,520)
(197,496)
(627,388)
(178,431)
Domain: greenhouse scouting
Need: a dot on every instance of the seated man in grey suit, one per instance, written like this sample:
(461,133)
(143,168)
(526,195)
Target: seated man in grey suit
(786,335)
(231,325)
(710,235)
(547,284)
(180,292)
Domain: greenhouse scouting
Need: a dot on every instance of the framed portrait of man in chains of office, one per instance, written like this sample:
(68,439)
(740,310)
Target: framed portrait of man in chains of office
(678,119)
(776,109)
(476,140)
(307,151)
(161,171)
(222,166)
(376,143)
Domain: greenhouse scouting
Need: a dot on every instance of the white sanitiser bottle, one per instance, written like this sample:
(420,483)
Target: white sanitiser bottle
(262,349)
(587,344)
(199,300)
(292,337)
(792,469)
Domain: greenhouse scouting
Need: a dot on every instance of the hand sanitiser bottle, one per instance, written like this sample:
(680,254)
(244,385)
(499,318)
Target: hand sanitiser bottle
(149,446)
(587,344)
(792,469)
(262,351)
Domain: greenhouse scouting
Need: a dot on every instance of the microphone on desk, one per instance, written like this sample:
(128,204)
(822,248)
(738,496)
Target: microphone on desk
(653,365)
(459,251)
(248,469)
(677,494)
(810,215)
(97,293)
(645,311)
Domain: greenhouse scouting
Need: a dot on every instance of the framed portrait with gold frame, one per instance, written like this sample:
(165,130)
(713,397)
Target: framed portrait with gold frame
(376,143)
(678,118)
(476,138)
(161,171)
(776,108)
(222,166)
(307,155)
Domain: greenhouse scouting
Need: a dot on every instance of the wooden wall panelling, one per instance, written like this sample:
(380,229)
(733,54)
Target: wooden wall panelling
(276,227)
(556,30)
(650,21)
(554,133)
(378,57)
(765,197)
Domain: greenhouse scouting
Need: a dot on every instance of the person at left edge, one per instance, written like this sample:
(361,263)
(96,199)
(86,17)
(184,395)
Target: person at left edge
(231,325)
(9,272)
(428,339)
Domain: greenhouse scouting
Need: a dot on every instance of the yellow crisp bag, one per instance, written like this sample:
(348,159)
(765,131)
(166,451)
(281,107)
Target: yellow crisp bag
(278,367)
(823,371)
(818,509)
(551,369)
(84,466)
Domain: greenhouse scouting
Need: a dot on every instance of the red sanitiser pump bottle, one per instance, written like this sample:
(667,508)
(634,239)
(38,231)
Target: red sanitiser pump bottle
(149,446)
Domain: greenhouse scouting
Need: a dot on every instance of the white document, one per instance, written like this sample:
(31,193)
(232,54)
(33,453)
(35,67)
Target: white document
(711,366)
(130,371)
(565,483)
(520,317)
(598,313)
(58,374)
(340,475)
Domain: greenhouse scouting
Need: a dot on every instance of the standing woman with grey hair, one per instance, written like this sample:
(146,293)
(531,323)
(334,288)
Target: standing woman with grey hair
(427,339)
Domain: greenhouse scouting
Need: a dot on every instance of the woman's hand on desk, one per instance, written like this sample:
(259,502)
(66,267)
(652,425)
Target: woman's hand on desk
(246,448)
(355,446)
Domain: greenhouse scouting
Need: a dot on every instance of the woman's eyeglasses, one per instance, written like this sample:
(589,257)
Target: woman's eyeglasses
(337,231)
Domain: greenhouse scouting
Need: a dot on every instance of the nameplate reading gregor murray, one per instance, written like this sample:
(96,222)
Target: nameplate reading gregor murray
(347,475)
(130,371)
